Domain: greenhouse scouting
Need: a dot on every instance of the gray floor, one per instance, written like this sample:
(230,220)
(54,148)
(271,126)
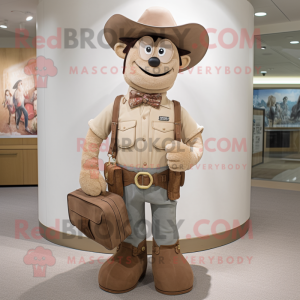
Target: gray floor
(272,273)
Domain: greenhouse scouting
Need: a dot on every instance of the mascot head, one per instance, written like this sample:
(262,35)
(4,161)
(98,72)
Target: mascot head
(154,48)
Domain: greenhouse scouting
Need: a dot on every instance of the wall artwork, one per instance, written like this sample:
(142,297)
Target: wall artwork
(282,106)
(18,109)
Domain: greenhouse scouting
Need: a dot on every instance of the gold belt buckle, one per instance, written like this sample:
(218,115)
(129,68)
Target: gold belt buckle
(143,187)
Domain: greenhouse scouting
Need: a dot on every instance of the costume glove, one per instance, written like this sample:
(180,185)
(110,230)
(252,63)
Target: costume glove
(91,181)
(182,157)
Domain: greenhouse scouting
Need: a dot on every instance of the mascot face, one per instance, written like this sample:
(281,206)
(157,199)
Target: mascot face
(35,95)
(20,86)
(152,66)
(7,95)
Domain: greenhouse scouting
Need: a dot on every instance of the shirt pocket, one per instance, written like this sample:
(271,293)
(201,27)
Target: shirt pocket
(126,134)
(163,134)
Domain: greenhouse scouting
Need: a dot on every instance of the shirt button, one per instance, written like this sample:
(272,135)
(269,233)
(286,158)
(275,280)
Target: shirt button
(144,140)
(144,118)
(145,164)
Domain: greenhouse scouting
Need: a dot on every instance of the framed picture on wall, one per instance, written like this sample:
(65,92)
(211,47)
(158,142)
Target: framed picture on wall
(18,98)
(282,106)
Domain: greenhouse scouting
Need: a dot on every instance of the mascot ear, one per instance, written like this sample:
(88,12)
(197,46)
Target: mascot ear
(185,61)
(119,47)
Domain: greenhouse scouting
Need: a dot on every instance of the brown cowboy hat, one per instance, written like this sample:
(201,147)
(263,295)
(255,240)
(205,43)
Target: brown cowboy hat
(158,21)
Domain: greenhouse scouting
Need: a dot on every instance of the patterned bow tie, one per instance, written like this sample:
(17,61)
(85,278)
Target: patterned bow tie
(137,98)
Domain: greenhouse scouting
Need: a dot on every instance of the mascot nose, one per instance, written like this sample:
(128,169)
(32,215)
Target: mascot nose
(154,62)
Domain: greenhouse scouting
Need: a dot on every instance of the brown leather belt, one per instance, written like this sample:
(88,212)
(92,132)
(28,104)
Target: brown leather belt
(144,180)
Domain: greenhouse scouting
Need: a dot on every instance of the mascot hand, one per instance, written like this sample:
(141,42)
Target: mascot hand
(181,157)
(91,180)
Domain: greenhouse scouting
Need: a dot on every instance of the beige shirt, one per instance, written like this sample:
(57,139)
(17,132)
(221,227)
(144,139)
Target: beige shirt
(144,131)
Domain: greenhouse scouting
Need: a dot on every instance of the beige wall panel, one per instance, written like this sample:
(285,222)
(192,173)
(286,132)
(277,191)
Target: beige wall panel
(30,164)
(11,141)
(11,167)
(29,141)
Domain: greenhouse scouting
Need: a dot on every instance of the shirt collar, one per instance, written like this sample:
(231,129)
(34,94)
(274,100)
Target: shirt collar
(165,102)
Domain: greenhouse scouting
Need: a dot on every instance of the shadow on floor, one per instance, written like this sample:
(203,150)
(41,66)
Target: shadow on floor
(82,283)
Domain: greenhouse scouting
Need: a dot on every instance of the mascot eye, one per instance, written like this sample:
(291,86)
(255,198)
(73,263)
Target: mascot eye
(148,49)
(161,52)
(165,51)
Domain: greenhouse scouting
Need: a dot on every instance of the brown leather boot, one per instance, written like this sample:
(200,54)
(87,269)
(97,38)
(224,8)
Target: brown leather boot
(121,273)
(172,273)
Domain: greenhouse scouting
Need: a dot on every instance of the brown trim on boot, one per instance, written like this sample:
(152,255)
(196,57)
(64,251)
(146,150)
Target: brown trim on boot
(172,273)
(122,272)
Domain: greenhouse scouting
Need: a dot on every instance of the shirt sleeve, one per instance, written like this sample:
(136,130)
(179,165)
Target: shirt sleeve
(101,125)
(189,127)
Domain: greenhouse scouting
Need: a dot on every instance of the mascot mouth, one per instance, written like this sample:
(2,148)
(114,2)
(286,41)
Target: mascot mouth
(154,75)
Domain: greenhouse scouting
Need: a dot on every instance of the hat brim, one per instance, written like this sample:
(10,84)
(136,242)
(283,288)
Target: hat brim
(192,37)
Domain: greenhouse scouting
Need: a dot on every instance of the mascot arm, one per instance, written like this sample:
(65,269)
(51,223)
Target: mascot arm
(91,181)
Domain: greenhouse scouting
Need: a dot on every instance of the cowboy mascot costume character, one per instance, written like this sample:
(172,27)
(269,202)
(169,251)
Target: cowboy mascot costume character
(154,141)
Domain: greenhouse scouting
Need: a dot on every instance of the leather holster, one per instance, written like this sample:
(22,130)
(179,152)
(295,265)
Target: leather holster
(114,178)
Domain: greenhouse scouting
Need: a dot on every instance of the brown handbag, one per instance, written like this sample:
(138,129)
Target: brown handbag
(103,218)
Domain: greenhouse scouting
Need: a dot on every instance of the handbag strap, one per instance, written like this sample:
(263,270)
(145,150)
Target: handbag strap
(177,118)
(114,127)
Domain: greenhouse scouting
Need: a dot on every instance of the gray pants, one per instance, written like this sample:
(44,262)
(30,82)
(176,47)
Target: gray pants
(164,227)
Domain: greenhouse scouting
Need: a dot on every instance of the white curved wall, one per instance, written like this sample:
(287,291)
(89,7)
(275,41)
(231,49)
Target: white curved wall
(222,103)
